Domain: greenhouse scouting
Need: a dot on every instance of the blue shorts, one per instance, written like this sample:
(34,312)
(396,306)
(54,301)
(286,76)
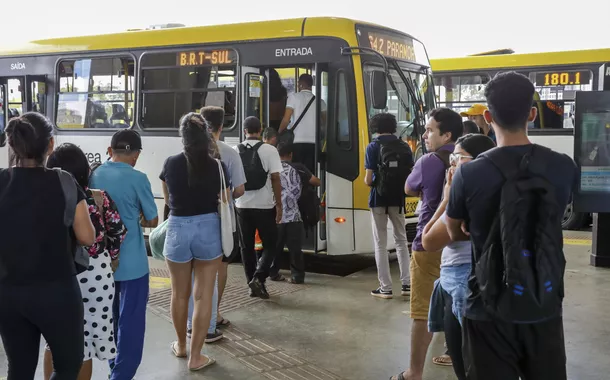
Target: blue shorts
(193,237)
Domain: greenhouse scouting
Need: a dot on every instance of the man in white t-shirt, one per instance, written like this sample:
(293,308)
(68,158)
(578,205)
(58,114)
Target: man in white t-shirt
(260,208)
(304,149)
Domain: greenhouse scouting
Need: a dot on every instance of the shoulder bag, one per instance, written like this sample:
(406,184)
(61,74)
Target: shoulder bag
(226,218)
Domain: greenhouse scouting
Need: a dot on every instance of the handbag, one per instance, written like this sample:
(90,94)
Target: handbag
(156,240)
(287,136)
(68,187)
(226,219)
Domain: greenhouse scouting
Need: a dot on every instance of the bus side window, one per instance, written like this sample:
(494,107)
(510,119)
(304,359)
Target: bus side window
(344,139)
(174,84)
(95,93)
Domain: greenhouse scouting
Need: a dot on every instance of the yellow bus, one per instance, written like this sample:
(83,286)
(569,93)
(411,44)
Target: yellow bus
(90,86)
(460,82)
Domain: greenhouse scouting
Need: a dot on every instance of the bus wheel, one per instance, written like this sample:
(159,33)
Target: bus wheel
(572,220)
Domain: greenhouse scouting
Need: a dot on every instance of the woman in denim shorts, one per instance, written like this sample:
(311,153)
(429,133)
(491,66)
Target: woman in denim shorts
(191,183)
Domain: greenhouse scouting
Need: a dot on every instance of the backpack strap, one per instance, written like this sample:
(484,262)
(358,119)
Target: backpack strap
(443,155)
(296,123)
(68,187)
(505,162)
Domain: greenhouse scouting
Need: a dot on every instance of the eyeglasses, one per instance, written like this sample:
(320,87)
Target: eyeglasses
(455,157)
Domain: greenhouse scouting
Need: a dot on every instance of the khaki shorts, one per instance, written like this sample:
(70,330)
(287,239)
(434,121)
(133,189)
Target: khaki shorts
(425,269)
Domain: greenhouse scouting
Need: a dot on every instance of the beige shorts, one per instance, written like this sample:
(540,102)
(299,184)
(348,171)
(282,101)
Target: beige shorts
(425,269)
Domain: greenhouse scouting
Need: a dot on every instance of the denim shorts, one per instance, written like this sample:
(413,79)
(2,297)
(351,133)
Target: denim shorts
(193,238)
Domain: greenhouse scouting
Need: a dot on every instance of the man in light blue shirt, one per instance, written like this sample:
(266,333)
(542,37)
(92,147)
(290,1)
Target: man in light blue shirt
(214,116)
(132,193)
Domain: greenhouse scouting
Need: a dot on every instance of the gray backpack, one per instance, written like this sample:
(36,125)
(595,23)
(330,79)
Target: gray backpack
(68,186)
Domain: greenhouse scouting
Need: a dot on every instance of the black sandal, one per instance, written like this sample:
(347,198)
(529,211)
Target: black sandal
(398,377)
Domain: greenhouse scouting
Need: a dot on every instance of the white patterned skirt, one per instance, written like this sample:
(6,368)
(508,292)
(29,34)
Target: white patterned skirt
(97,288)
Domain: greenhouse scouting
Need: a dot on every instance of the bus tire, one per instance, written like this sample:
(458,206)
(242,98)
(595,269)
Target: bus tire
(572,220)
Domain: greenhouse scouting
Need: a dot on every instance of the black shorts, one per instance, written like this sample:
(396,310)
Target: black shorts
(508,351)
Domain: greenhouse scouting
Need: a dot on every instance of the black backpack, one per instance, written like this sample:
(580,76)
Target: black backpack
(520,271)
(309,202)
(256,176)
(394,166)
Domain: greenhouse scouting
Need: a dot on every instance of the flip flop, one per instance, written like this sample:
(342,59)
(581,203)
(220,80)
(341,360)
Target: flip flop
(444,360)
(207,364)
(223,323)
(175,352)
(398,377)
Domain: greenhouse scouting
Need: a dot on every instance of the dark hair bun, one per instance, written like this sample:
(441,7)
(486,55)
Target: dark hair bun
(29,136)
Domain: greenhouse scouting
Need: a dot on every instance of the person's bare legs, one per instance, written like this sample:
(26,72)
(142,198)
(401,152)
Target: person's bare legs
(85,373)
(180,276)
(420,342)
(223,275)
(203,291)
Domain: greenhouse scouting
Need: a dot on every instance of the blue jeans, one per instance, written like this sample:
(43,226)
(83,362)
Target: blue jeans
(129,312)
(454,280)
(193,238)
(212,327)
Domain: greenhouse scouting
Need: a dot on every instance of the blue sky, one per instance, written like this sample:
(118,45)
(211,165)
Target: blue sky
(447,28)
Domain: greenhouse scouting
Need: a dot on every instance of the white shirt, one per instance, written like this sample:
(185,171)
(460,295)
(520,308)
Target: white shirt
(262,198)
(306,130)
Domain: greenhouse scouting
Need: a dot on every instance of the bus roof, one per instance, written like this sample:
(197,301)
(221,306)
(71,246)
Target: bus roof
(259,30)
(520,60)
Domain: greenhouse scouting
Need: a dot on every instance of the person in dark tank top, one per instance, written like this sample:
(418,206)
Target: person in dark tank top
(39,292)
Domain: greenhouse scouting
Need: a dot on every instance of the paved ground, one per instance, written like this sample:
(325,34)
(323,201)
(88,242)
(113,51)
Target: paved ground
(332,328)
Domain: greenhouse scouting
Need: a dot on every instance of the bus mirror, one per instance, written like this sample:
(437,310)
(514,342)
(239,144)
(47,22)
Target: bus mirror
(379,91)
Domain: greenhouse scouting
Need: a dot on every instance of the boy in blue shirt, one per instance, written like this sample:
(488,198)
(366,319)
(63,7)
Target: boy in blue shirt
(132,193)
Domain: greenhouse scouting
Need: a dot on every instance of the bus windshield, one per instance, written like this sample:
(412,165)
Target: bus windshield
(407,101)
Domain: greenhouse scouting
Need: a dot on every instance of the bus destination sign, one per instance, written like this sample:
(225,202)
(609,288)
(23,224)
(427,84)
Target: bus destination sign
(563,78)
(205,57)
(395,47)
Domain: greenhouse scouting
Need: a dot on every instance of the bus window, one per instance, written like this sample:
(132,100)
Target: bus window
(343,130)
(174,84)
(38,97)
(95,93)
(2,109)
(254,100)
(15,98)
(459,92)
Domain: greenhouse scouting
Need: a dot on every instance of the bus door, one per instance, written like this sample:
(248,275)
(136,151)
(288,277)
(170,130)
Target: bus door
(338,158)
(24,94)
(19,95)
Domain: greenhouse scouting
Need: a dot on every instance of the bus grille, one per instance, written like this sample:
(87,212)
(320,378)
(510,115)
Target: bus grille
(411,231)
(411,206)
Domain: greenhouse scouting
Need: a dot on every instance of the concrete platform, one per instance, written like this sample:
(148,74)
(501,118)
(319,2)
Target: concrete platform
(331,328)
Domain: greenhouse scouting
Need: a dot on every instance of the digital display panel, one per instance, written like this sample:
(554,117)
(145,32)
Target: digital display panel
(391,46)
(563,78)
(595,152)
(205,57)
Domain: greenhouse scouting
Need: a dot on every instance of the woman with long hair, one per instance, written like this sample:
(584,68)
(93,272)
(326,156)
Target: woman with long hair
(97,282)
(191,182)
(456,257)
(39,230)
